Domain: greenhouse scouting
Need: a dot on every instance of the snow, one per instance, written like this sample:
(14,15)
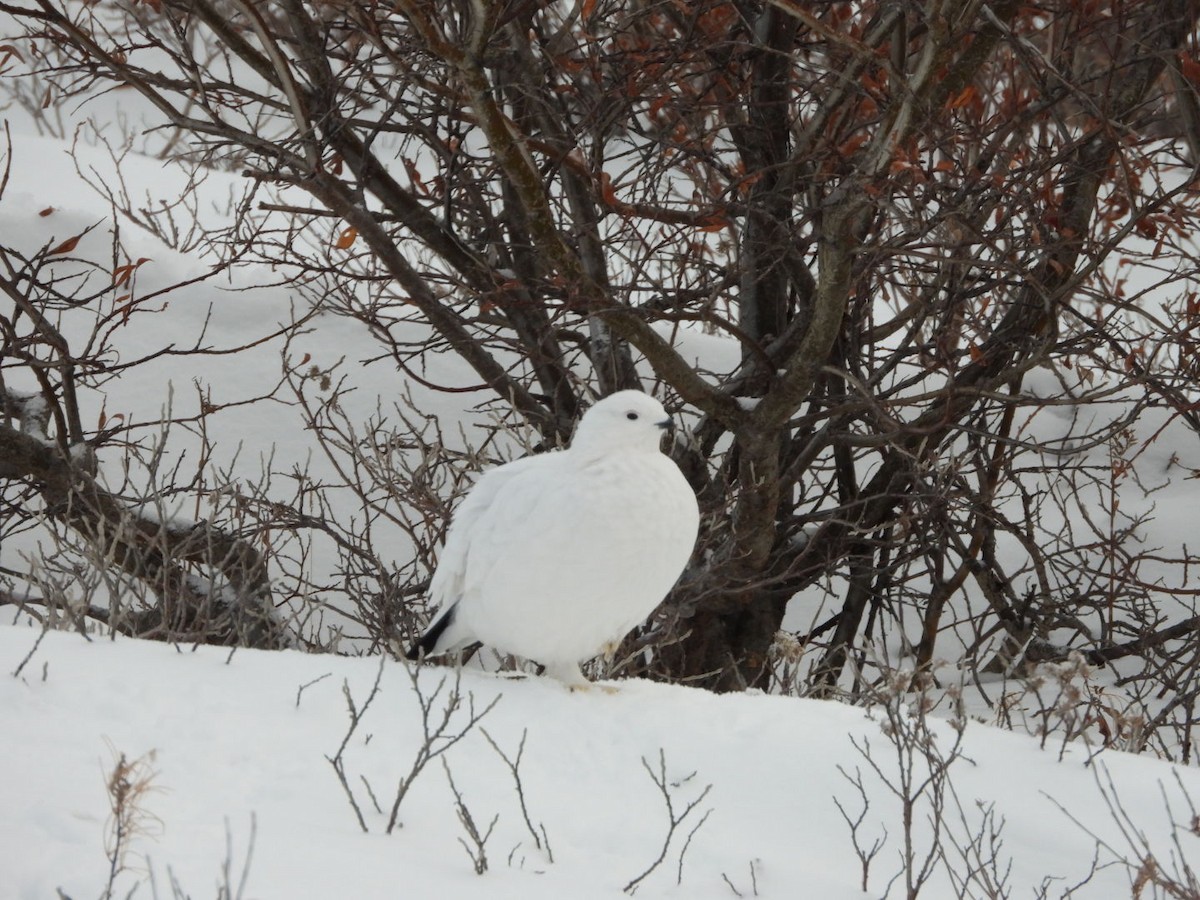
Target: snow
(238,743)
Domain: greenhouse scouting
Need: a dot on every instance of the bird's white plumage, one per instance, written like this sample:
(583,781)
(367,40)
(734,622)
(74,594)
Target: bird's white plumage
(556,557)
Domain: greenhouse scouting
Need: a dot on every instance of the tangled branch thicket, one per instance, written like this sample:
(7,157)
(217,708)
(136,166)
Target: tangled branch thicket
(950,242)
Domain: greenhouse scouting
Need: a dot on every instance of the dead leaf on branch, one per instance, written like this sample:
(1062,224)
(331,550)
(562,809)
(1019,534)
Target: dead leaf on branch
(347,238)
(66,246)
(122,274)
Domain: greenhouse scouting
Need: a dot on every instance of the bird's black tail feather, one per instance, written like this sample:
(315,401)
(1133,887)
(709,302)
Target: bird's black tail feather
(425,643)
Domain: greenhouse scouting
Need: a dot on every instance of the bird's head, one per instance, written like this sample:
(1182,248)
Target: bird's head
(626,420)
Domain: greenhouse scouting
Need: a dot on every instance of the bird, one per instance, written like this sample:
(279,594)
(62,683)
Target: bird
(556,557)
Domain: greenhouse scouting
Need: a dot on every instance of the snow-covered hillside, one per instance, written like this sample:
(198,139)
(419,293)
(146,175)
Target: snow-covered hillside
(236,749)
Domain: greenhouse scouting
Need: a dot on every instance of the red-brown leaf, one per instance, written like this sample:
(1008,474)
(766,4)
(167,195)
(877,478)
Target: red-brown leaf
(122,274)
(849,147)
(1190,69)
(7,52)
(415,176)
(66,246)
(347,238)
(607,191)
(963,98)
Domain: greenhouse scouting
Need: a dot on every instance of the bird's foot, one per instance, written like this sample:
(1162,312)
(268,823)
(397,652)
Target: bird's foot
(570,675)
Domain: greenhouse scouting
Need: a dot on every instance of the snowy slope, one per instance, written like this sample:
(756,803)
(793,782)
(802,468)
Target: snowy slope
(235,737)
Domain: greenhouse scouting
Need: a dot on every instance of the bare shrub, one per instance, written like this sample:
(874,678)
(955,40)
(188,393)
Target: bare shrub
(950,251)
(447,715)
(1156,872)
(129,785)
(675,818)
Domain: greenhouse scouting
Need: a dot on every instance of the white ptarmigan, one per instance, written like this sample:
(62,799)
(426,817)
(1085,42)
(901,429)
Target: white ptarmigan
(557,557)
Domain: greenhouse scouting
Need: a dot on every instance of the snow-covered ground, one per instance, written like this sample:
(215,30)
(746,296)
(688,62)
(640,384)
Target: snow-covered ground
(236,747)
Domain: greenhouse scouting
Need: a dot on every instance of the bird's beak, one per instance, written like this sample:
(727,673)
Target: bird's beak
(667,425)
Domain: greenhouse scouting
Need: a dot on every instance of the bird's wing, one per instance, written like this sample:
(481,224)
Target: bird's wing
(492,500)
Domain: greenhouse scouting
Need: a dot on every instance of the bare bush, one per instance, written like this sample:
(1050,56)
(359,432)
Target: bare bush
(950,246)
(933,831)
(123,556)
(541,840)
(129,785)
(228,888)
(475,842)
(1155,871)
(675,818)
(447,715)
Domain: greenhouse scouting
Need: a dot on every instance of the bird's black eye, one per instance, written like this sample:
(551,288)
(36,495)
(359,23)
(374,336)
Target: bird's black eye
(631,416)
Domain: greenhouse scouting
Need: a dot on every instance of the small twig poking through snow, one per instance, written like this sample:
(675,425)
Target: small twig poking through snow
(688,842)
(28,656)
(439,733)
(753,881)
(225,888)
(514,765)
(475,849)
(865,855)
(300,690)
(660,780)
(356,716)
(226,891)
(371,794)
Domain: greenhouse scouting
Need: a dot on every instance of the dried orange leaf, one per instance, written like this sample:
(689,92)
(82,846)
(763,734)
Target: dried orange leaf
(66,246)
(607,191)
(346,238)
(121,274)
(965,97)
